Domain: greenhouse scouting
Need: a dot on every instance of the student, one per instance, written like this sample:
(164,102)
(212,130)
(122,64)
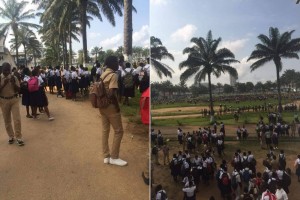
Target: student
(58,82)
(190,191)
(25,92)
(51,79)
(280,193)
(74,83)
(128,83)
(9,89)
(160,193)
(297,166)
(111,115)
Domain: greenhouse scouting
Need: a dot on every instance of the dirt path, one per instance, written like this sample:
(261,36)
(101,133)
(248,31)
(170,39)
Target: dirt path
(62,159)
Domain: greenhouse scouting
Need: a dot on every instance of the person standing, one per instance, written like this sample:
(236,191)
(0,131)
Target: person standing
(111,114)
(297,166)
(9,89)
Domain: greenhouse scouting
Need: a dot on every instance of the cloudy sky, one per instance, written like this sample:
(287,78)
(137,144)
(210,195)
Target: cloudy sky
(103,34)
(237,22)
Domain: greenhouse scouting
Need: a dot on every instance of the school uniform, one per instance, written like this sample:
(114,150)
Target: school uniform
(111,116)
(35,97)
(74,83)
(128,92)
(58,82)
(25,93)
(43,100)
(297,165)
(51,78)
(9,104)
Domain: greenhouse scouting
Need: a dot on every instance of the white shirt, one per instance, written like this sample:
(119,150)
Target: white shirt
(158,194)
(99,71)
(279,174)
(127,70)
(281,194)
(74,75)
(26,78)
(57,73)
(147,69)
(189,191)
(297,162)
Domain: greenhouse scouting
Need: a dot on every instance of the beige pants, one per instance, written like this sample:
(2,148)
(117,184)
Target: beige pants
(10,107)
(110,116)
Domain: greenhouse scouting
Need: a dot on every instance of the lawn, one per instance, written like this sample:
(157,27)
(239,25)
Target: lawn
(132,112)
(245,118)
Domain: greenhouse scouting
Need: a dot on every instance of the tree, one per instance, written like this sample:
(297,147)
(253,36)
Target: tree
(241,87)
(259,86)
(128,30)
(29,42)
(228,89)
(249,86)
(274,48)
(204,60)
(219,87)
(95,51)
(159,52)
(16,15)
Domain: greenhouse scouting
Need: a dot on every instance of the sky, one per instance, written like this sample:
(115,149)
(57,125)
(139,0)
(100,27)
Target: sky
(103,34)
(237,22)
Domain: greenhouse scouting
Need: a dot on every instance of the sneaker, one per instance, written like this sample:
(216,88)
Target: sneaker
(51,118)
(106,160)
(11,140)
(118,162)
(20,142)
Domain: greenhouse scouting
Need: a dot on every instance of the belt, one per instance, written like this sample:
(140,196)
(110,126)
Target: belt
(11,97)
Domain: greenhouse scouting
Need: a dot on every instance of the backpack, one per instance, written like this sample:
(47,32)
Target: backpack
(154,150)
(98,95)
(270,195)
(128,80)
(163,195)
(234,183)
(246,176)
(33,84)
(225,179)
(286,179)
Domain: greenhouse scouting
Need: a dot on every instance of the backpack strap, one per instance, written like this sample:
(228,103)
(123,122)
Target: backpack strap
(106,75)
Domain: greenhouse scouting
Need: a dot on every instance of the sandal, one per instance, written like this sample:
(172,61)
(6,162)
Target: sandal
(29,116)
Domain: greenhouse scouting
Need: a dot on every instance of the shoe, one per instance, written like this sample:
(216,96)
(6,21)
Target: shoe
(20,142)
(117,161)
(51,118)
(106,160)
(29,116)
(11,140)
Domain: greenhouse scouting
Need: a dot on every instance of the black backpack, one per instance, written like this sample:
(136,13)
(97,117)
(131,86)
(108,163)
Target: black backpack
(163,195)
(93,71)
(154,150)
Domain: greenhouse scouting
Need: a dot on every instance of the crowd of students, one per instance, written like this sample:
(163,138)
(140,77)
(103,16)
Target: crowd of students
(196,163)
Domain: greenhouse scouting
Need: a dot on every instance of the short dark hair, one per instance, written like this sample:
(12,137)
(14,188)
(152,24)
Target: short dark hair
(110,60)
(5,65)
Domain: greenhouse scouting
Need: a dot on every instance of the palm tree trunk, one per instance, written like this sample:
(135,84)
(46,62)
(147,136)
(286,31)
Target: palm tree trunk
(83,28)
(277,63)
(128,30)
(70,45)
(17,50)
(210,99)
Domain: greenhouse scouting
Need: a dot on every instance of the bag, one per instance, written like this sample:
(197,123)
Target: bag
(234,183)
(270,195)
(154,150)
(225,179)
(24,85)
(33,84)
(253,162)
(128,80)
(282,161)
(246,176)
(98,96)
(286,179)
(163,195)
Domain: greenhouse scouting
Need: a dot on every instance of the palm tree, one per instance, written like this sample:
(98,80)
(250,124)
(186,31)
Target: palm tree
(95,51)
(128,30)
(27,39)
(204,59)
(274,48)
(16,15)
(159,52)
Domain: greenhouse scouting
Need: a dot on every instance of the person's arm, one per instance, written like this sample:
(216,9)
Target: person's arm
(4,84)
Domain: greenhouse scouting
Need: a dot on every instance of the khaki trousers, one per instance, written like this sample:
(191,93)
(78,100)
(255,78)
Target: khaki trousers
(110,116)
(11,107)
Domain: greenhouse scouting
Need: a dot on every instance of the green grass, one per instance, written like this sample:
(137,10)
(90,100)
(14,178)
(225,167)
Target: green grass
(132,111)
(175,113)
(245,118)
(217,103)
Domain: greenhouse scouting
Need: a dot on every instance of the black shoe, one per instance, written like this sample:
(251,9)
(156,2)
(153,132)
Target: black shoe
(11,140)
(20,142)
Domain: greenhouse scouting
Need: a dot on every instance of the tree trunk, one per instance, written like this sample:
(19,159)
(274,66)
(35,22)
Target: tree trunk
(17,50)
(70,45)
(277,63)
(128,30)
(25,55)
(66,49)
(63,49)
(83,28)
(210,99)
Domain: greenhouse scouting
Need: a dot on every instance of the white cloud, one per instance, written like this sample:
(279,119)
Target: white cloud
(185,33)
(139,37)
(158,2)
(112,42)
(93,35)
(243,68)
(234,45)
